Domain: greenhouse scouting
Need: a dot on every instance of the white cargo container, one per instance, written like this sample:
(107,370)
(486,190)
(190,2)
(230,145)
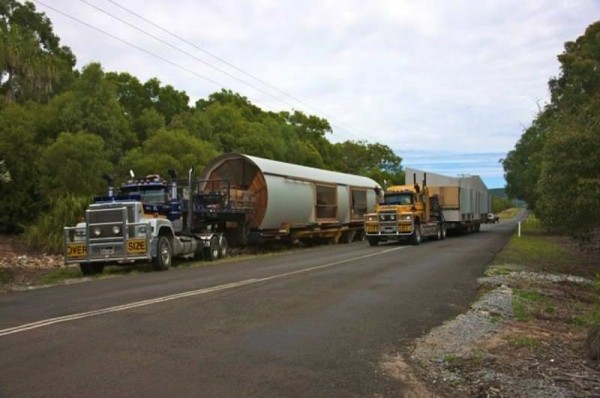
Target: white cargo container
(465,199)
(290,201)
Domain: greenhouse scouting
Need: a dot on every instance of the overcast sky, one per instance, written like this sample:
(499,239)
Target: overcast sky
(448,85)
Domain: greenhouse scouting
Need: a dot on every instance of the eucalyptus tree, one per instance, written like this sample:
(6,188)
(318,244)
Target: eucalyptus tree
(33,64)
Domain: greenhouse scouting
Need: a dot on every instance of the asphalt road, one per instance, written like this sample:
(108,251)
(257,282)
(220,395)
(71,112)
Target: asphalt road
(307,323)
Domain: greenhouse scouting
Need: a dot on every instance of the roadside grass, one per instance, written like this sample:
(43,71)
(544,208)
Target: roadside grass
(535,250)
(6,275)
(60,275)
(508,213)
(524,341)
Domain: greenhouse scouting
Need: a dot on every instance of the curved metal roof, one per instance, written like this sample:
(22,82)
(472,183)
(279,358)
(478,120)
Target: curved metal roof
(294,171)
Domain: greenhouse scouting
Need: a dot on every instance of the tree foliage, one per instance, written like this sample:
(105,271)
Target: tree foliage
(32,62)
(61,130)
(554,166)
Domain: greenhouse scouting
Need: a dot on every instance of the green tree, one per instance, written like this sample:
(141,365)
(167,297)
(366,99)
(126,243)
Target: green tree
(522,165)
(75,164)
(92,106)
(165,99)
(554,166)
(196,122)
(377,161)
(147,123)
(32,62)
(4,173)
(129,92)
(19,148)
(169,149)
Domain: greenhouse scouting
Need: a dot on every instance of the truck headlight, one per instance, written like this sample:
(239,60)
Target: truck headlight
(97,231)
(116,230)
(371,218)
(142,230)
(406,217)
(393,217)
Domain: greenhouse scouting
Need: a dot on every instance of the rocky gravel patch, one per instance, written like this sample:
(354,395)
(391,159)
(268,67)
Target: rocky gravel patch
(487,353)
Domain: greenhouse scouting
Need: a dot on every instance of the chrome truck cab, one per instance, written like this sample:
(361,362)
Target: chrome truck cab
(113,232)
(143,222)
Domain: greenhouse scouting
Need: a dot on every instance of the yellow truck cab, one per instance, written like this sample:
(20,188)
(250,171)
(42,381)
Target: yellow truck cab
(407,212)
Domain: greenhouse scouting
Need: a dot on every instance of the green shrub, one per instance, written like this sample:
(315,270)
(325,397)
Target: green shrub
(46,233)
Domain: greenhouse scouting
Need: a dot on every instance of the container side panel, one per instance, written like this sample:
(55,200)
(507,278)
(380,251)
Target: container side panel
(343,208)
(452,216)
(291,202)
(359,203)
(465,201)
(448,196)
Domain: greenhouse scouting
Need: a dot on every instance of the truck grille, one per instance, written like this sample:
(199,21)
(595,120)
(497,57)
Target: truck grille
(387,216)
(111,235)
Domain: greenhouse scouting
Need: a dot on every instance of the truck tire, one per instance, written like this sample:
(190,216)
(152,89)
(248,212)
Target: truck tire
(444,232)
(347,237)
(91,269)
(415,238)
(223,247)
(211,253)
(162,261)
(373,240)
(438,235)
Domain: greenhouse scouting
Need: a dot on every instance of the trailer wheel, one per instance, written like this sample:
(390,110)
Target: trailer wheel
(360,236)
(347,237)
(162,261)
(373,240)
(91,269)
(223,247)
(416,236)
(211,252)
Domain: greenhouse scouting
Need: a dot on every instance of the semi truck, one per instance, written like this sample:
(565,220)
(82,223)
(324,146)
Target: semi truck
(439,205)
(237,199)
(465,199)
(406,212)
(153,220)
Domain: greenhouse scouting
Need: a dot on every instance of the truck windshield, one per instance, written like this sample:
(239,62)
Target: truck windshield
(398,199)
(149,196)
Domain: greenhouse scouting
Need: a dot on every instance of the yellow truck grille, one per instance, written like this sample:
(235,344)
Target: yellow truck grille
(372,228)
(405,228)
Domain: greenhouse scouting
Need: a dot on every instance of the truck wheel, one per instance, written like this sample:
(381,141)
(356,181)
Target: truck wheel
(346,237)
(373,241)
(223,247)
(438,235)
(91,269)
(162,261)
(416,236)
(443,227)
(211,252)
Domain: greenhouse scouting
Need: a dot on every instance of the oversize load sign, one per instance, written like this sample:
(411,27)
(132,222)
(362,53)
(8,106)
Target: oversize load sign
(76,250)
(134,246)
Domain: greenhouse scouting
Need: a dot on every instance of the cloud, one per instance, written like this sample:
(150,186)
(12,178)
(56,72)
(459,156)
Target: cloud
(432,76)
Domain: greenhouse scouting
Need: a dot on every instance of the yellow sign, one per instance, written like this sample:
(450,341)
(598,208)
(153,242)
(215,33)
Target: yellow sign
(137,246)
(76,250)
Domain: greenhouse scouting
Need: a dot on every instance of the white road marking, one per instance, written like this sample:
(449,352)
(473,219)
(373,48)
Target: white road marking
(198,292)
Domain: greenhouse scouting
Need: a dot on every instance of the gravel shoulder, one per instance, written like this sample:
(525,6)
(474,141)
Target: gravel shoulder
(524,337)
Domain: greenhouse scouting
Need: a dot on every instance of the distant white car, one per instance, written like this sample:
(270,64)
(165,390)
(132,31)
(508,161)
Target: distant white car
(492,218)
